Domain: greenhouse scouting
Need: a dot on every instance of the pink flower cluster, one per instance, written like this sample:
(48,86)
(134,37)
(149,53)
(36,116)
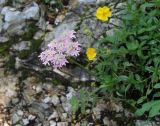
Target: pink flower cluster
(59,49)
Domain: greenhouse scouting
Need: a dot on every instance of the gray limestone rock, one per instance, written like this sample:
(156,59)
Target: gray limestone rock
(2,2)
(24,45)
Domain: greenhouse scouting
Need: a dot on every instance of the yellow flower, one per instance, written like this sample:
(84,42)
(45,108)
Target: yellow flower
(103,13)
(91,53)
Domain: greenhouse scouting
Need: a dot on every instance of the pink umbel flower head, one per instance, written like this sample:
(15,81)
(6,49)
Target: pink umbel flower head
(59,49)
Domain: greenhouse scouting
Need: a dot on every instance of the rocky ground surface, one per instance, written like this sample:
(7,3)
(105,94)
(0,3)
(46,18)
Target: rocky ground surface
(34,95)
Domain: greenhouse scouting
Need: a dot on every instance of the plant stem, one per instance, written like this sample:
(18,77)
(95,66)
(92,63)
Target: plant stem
(81,66)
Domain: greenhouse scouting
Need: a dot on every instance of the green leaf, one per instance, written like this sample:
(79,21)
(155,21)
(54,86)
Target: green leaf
(155,110)
(149,69)
(146,107)
(141,99)
(74,103)
(84,123)
(157,94)
(154,77)
(157,86)
(128,17)
(111,39)
(132,45)
(122,78)
(127,88)
(146,5)
(127,64)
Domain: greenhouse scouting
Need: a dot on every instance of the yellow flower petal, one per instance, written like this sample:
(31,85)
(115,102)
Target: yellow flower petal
(103,13)
(91,53)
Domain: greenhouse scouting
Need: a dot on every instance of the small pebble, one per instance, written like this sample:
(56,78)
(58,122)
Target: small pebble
(55,100)
(63,99)
(25,122)
(31,117)
(38,89)
(64,116)
(20,112)
(47,99)
(52,123)
(53,116)
(62,124)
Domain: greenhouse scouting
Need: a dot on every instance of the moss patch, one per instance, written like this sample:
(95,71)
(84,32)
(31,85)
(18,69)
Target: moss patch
(4,47)
(31,30)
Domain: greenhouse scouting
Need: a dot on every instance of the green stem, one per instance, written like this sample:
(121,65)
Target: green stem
(81,66)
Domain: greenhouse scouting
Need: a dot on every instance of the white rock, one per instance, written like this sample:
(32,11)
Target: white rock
(47,99)
(7,88)
(86,1)
(25,122)
(70,89)
(31,117)
(71,93)
(15,19)
(20,112)
(14,29)
(67,107)
(6,124)
(97,112)
(24,45)
(110,32)
(52,2)
(17,63)
(106,121)
(62,124)
(38,35)
(12,15)
(3,39)
(49,27)
(2,2)
(1,23)
(64,115)
(63,99)
(88,111)
(52,123)
(53,116)
(59,19)
(55,100)
(32,12)
(145,123)
(18,125)
(65,25)
(100,1)
(15,118)
(38,89)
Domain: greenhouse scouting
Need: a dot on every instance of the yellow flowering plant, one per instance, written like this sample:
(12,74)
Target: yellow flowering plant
(131,65)
(91,53)
(103,13)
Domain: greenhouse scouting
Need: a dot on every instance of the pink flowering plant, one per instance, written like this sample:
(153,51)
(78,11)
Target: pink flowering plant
(59,49)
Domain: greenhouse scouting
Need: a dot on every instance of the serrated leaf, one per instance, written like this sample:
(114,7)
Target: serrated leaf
(74,103)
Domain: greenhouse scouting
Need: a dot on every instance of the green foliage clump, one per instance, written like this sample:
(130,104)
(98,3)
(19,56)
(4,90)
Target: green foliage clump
(82,101)
(128,62)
